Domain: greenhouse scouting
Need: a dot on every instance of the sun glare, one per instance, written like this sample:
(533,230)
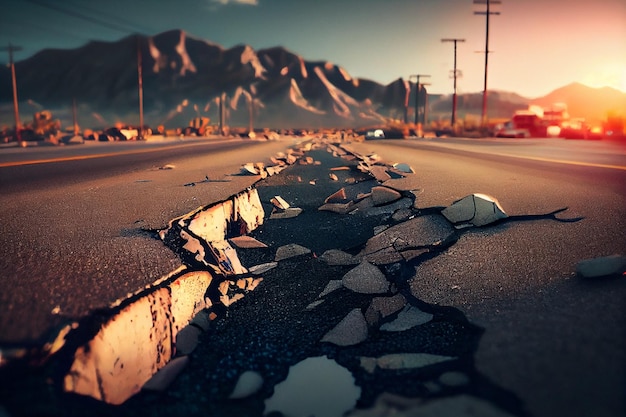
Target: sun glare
(610,76)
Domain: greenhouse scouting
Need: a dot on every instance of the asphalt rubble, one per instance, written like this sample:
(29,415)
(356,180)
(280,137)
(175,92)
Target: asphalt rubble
(329,326)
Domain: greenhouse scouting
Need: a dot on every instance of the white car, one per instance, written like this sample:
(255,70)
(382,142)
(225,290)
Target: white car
(375,134)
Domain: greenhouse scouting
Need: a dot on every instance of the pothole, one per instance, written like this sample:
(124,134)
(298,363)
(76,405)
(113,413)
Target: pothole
(316,386)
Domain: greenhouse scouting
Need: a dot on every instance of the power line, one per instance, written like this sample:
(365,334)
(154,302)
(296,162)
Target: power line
(140,29)
(113,26)
(73,13)
(40,28)
(77,11)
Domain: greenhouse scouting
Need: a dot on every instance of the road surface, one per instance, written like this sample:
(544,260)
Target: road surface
(554,340)
(557,341)
(71,230)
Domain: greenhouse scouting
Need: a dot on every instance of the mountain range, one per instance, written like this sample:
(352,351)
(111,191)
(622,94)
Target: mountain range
(184,77)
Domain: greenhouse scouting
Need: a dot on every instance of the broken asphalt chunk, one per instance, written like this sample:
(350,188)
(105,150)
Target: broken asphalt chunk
(285,214)
(363,167)
(474,210)
(248,383)
(380,173)
(395,361)
(408,318)
(332,285)
(273,170)
(248,210)
(351,330)
(409,183)
(602,267)
(337,197)
(226,257)
(232,291)
(314,304)
(372,158)
(366,279)
(367,206)
(246,242)
(277,161)
(249,169)
(402,215)
(202,320)
(381,307)
(136,342)
(340,208)
(289,251)
(279,202)
(187,340)
(193,246)
(211,223)
(402,167)
(166,375)
(383,195)
(262,268)
(416,235)
(338,257)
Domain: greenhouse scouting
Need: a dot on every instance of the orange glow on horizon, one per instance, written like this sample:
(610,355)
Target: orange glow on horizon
(610,75)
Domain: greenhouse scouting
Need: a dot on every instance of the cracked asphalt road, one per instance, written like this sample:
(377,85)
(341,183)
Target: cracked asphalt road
(555,340)
(552,344)
(71,231)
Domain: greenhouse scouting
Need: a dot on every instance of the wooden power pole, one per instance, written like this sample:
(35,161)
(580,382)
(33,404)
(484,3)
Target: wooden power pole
(487,13)
(140,86)
(16,112)
(454,75)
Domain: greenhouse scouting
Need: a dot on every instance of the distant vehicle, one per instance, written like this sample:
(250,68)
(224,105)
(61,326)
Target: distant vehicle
(536,122)
(446,131)
(508,130)
(530,122)
(375,134)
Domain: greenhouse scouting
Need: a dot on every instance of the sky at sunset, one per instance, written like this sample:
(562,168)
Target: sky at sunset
(538,45)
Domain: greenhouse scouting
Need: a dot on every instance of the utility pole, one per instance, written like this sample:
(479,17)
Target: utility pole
(250,114)
(487,13)
(140,85)
(222,112)
(418,86)
(16,112)
(422,86)
(74,118)
(407,93)
(454,75)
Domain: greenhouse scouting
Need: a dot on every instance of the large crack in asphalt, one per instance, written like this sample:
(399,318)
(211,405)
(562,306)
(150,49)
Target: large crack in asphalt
(234,312)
